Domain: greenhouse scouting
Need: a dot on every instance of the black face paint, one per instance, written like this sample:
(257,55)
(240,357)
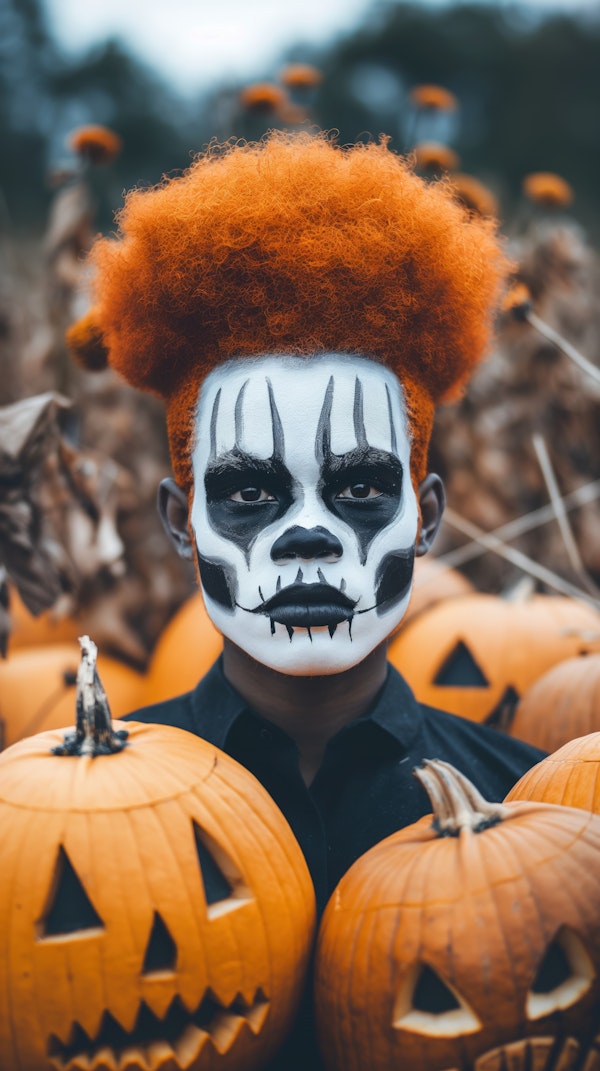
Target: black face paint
(242,522)
(363,465)
(393,579)
(218,582)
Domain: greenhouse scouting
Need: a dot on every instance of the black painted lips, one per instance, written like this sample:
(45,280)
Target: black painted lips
(308,606)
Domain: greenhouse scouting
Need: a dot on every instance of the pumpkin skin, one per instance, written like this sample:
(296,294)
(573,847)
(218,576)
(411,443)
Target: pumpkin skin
(476,655)
(432,583)
(185,651)
(29,631)
(127,824)
(37,688)
(431,947)
(561,705)
(570,776)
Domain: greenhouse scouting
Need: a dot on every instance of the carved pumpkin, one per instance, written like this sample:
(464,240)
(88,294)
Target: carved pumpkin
(475,656)
(561,705)
(570,776)
(37,689)
(156,912)
(187,648)
(470,932)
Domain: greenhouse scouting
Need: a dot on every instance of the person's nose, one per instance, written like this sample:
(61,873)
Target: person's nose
(306,543)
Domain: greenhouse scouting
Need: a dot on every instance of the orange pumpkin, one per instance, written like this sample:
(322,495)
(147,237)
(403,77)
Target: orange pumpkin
(432,582)
(570,776)
(468,932)
(29,631)
(156,912)
(561,705)
(187,648)
(476,655)
(37,688)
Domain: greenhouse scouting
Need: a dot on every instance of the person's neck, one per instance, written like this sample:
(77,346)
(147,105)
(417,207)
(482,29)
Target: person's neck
(309,709)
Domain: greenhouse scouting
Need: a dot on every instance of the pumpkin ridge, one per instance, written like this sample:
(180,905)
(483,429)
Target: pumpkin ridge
(300,876)
(266,854)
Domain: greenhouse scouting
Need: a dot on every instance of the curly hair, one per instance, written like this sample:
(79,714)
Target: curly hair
(296,245)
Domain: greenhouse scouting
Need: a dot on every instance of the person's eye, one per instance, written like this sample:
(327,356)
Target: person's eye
(251,494)
(359,492)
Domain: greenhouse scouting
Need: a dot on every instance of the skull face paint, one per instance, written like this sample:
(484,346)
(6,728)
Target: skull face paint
(304,513)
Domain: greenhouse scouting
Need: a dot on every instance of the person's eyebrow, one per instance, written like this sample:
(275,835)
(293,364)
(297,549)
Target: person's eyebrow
(225,467)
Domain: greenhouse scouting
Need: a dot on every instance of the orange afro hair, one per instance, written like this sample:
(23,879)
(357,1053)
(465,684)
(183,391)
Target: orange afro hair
(296,245)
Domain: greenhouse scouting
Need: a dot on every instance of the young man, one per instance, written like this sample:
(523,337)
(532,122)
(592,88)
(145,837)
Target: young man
(302,308)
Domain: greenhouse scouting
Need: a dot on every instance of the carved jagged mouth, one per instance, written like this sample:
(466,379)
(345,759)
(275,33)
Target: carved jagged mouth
(180,1035)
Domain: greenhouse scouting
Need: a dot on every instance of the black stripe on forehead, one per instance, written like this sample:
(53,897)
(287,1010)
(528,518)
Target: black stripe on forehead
(359,415)
(213,425)
(394,444)
(278,439)
(323,436)
(238,414)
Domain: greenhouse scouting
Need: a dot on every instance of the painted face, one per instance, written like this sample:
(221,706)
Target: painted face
(304,513)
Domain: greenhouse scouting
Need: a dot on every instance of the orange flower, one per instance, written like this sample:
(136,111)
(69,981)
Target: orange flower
(263,97)
(517,301)
(293,114)
(474,195)
(428,96)
(97,144)
(431,156)
(300,76)
(546,188)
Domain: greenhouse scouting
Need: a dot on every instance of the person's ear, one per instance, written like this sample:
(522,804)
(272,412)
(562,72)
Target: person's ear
(432,500)
(173,512)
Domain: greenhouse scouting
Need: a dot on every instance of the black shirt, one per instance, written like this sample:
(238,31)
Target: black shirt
(364,789)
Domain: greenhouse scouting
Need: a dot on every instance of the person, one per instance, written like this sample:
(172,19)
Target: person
(302,308)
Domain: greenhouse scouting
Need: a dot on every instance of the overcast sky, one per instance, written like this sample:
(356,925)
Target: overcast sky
(198,42)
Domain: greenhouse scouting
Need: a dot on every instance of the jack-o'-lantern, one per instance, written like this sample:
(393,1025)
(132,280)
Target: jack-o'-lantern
(476,655)
(561,705)
(37,688)
(474,929)
(570,776)
(185,651)
(156,912)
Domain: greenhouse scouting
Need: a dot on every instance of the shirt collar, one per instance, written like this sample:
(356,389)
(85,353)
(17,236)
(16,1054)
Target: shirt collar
(217,706)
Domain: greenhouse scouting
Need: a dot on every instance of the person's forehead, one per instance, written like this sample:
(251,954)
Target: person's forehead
(237,399)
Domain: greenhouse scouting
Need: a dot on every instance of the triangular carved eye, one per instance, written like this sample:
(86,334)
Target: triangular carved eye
(564,975)
(460,670)
(428,1005)
(69,909)
(224,887)
(161,951)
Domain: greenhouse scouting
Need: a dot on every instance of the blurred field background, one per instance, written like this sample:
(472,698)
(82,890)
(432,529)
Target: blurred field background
(81,455)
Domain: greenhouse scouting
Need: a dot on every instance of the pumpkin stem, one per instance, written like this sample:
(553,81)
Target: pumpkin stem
(93,734)
(456,803)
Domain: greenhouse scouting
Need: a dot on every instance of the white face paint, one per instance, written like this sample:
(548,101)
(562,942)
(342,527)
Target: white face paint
(304,513)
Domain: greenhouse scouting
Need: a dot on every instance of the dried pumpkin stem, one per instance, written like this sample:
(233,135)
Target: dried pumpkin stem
(94,734)
(456,803)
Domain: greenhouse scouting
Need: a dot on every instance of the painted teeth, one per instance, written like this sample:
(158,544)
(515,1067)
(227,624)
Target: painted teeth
(290,631)
(278,585)
(331,629)
(321,576)
(299,576)
(343,586)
